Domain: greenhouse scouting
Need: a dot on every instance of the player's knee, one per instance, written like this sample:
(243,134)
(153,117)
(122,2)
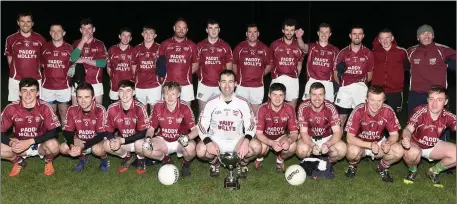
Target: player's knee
(340,147)
(138,145)
(106,146)
(292,147)
(52,146)
(98,150)
(397,150)
(413,153)
(353,151)
(64,148)
(201,150)
(6,152)
(255,146)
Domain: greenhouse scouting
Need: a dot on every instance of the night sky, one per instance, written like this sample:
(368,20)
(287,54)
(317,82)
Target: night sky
(402,18)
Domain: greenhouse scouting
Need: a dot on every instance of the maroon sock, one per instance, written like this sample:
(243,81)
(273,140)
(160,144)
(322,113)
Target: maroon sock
(48,159)
(353,164)
(166,159)
(185,162)
(17,160)
(383,165)
(82,157)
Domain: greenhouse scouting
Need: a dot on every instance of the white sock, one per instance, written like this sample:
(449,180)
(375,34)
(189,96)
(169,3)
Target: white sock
(139,157)
(260,159)
(278,160)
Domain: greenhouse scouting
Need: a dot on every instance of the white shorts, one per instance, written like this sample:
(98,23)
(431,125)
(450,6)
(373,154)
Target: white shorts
(113,95)
(319,143)
(226,145)
(13,89)
(33,152)
(172,147)
(253,94)
(352,95)
(369,153)
(51,96)
(205,92)
(149,96)
(187,93)
(426,152)
(98,89)
(292,86)
(329,93)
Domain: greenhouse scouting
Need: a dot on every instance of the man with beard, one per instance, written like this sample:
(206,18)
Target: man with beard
(128,116)
(321,58)
(214,55)
(357,61)
(182,60)
(428,66)
(320,128)
(56,62)
(148,89)
(173,119)
(84,129)
(220,127)
(421,136)
(277,127)
(119,64)
(35,129)
(251,61)
(92,54)
(23,52)
(287,61)
(365,137)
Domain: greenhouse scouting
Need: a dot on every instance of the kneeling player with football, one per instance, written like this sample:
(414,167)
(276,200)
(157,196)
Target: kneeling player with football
(365,134)
(175,123)
(129,117)
(220,127)
(35,128)
(421,136)
(277,127)
(84,129)
(320,131)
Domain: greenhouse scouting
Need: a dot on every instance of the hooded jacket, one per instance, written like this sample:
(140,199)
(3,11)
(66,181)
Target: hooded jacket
(389,66)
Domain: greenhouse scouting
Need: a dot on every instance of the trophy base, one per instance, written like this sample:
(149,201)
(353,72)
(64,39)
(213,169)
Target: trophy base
(232,185)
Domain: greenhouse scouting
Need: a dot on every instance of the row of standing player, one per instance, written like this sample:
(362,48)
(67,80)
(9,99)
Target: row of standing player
(220,128)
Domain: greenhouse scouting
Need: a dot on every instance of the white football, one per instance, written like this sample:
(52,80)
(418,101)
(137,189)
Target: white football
(295,175)
(168,174)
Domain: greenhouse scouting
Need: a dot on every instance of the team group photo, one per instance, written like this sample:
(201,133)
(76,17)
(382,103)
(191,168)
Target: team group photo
(181,104)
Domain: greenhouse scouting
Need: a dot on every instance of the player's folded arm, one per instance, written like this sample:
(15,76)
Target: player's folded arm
(5,138)
(46,136)
(135,137)
(98,138)
(69,137)
(261,137)
(74,56)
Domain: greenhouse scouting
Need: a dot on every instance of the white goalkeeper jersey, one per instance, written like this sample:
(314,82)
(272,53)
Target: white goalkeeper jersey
(225,121)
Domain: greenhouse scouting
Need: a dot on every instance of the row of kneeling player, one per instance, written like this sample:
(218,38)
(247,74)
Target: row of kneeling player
(125,128)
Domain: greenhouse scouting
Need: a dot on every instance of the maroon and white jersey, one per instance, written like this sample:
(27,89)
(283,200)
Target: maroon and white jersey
(251,62)
(145,61)
(318,123)
(180,56)
(172,124)
(29,124)
(213,59)
(85,125)
(26,54)
(285,58)
(93,51)
(321,61)
(127,122)
(276,124)
(370,128)
(427,131)
(357,64)
(120,63)
(56,63)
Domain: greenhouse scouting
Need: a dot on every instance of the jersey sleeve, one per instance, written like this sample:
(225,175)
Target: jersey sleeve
(7,120)
(188,121)
(205,119)
(353,123)
(69,122)
(451,121)
(301,58)
(292,122)
(143,119)
(333,115)
(269,56)
(102,53)
(339,58)
(415,117)
(8,47)
(302,115)
(110,126)
(449,53)
(101,120)
(228,54)
(51,121)
(194,57)
(248,119)
(154,119)
(393,125)
(261,119)
(370,65)
(109,60)
(163,48)
(236,55)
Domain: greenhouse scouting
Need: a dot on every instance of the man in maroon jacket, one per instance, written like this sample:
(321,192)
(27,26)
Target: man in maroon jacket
(428,66)
(389,63)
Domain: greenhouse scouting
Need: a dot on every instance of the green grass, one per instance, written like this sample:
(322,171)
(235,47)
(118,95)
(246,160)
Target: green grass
(261,186)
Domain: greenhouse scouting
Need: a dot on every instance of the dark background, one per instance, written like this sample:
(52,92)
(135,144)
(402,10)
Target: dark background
(403,18)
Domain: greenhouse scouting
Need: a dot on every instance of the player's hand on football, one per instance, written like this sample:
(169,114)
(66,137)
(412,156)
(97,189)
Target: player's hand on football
(375,147)
(299,33)
(115,144)
(325,148)
(316,150)
(385,147)
(243,150)
(406,142)
(75,150)
(212,148)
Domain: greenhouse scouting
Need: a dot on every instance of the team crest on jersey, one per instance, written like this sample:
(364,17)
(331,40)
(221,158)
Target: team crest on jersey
(201,95)
(284,119)
(362,59)
(178,120)
(185,48)
(94,122)
(64,54)
(432,61)
(260,52)
(235,112)
(380,122)
(440,129)
(134,120)
(37,119)
(337,100)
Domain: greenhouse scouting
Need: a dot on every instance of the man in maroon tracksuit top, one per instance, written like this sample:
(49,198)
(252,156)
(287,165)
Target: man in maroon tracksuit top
(428,66)
(390,61)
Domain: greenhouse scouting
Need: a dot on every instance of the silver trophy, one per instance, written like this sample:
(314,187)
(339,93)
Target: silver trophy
(230,160)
